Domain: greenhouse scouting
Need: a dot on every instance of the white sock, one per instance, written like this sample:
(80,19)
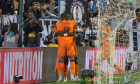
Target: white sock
(60,76)
(76,77)
(72,75)
(65,77)
(126,76)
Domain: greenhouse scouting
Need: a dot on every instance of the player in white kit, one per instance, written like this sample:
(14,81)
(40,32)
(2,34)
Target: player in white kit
(133,27)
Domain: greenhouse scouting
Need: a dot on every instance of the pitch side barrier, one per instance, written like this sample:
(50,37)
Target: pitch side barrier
(41,64)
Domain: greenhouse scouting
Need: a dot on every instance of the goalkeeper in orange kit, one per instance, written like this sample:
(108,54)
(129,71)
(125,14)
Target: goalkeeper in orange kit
(105,55)
(65,34)
(73,23)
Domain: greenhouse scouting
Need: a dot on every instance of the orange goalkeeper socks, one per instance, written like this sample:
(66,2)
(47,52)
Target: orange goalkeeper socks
(60,68)
(76,69)
(119,68)
(72,67)
(65,70)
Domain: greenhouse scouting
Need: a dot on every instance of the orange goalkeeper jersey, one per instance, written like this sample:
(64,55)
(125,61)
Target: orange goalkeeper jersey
(60,27)
(75,29)
(74,24)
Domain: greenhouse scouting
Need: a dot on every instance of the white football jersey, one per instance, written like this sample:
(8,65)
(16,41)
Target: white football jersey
(134,35)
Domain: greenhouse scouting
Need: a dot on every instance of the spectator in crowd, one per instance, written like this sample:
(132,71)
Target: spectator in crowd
(36,11)
(50,39)
(81,40)
(5,29)
(39,1)
(30,2)
(12,38)
(52,6)
(39,6)
(90,4)
(31,29)
(45,12)
(93,4)
(6,5)
(93,9)
(14,9)
(96,13)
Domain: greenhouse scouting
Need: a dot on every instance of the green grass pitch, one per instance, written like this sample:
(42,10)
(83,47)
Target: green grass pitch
(118,79)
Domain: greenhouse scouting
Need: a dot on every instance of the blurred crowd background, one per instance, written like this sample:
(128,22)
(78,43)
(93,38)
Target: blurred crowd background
(35,11)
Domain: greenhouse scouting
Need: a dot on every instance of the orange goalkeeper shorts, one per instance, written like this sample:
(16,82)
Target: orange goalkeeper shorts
(105,53)
(66,50)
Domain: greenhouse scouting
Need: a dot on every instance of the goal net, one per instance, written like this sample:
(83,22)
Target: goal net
(110,63)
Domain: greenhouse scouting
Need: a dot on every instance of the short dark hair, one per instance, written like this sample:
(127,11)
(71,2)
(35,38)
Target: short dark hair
(53,26)
(137,11)
(69,16)
(30,11)
(63,16)
(14,28)
(34,3)
(84,26)
(4,29)
(43,4)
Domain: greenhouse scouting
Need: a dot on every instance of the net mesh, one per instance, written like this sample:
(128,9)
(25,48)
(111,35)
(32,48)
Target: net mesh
(110,65)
